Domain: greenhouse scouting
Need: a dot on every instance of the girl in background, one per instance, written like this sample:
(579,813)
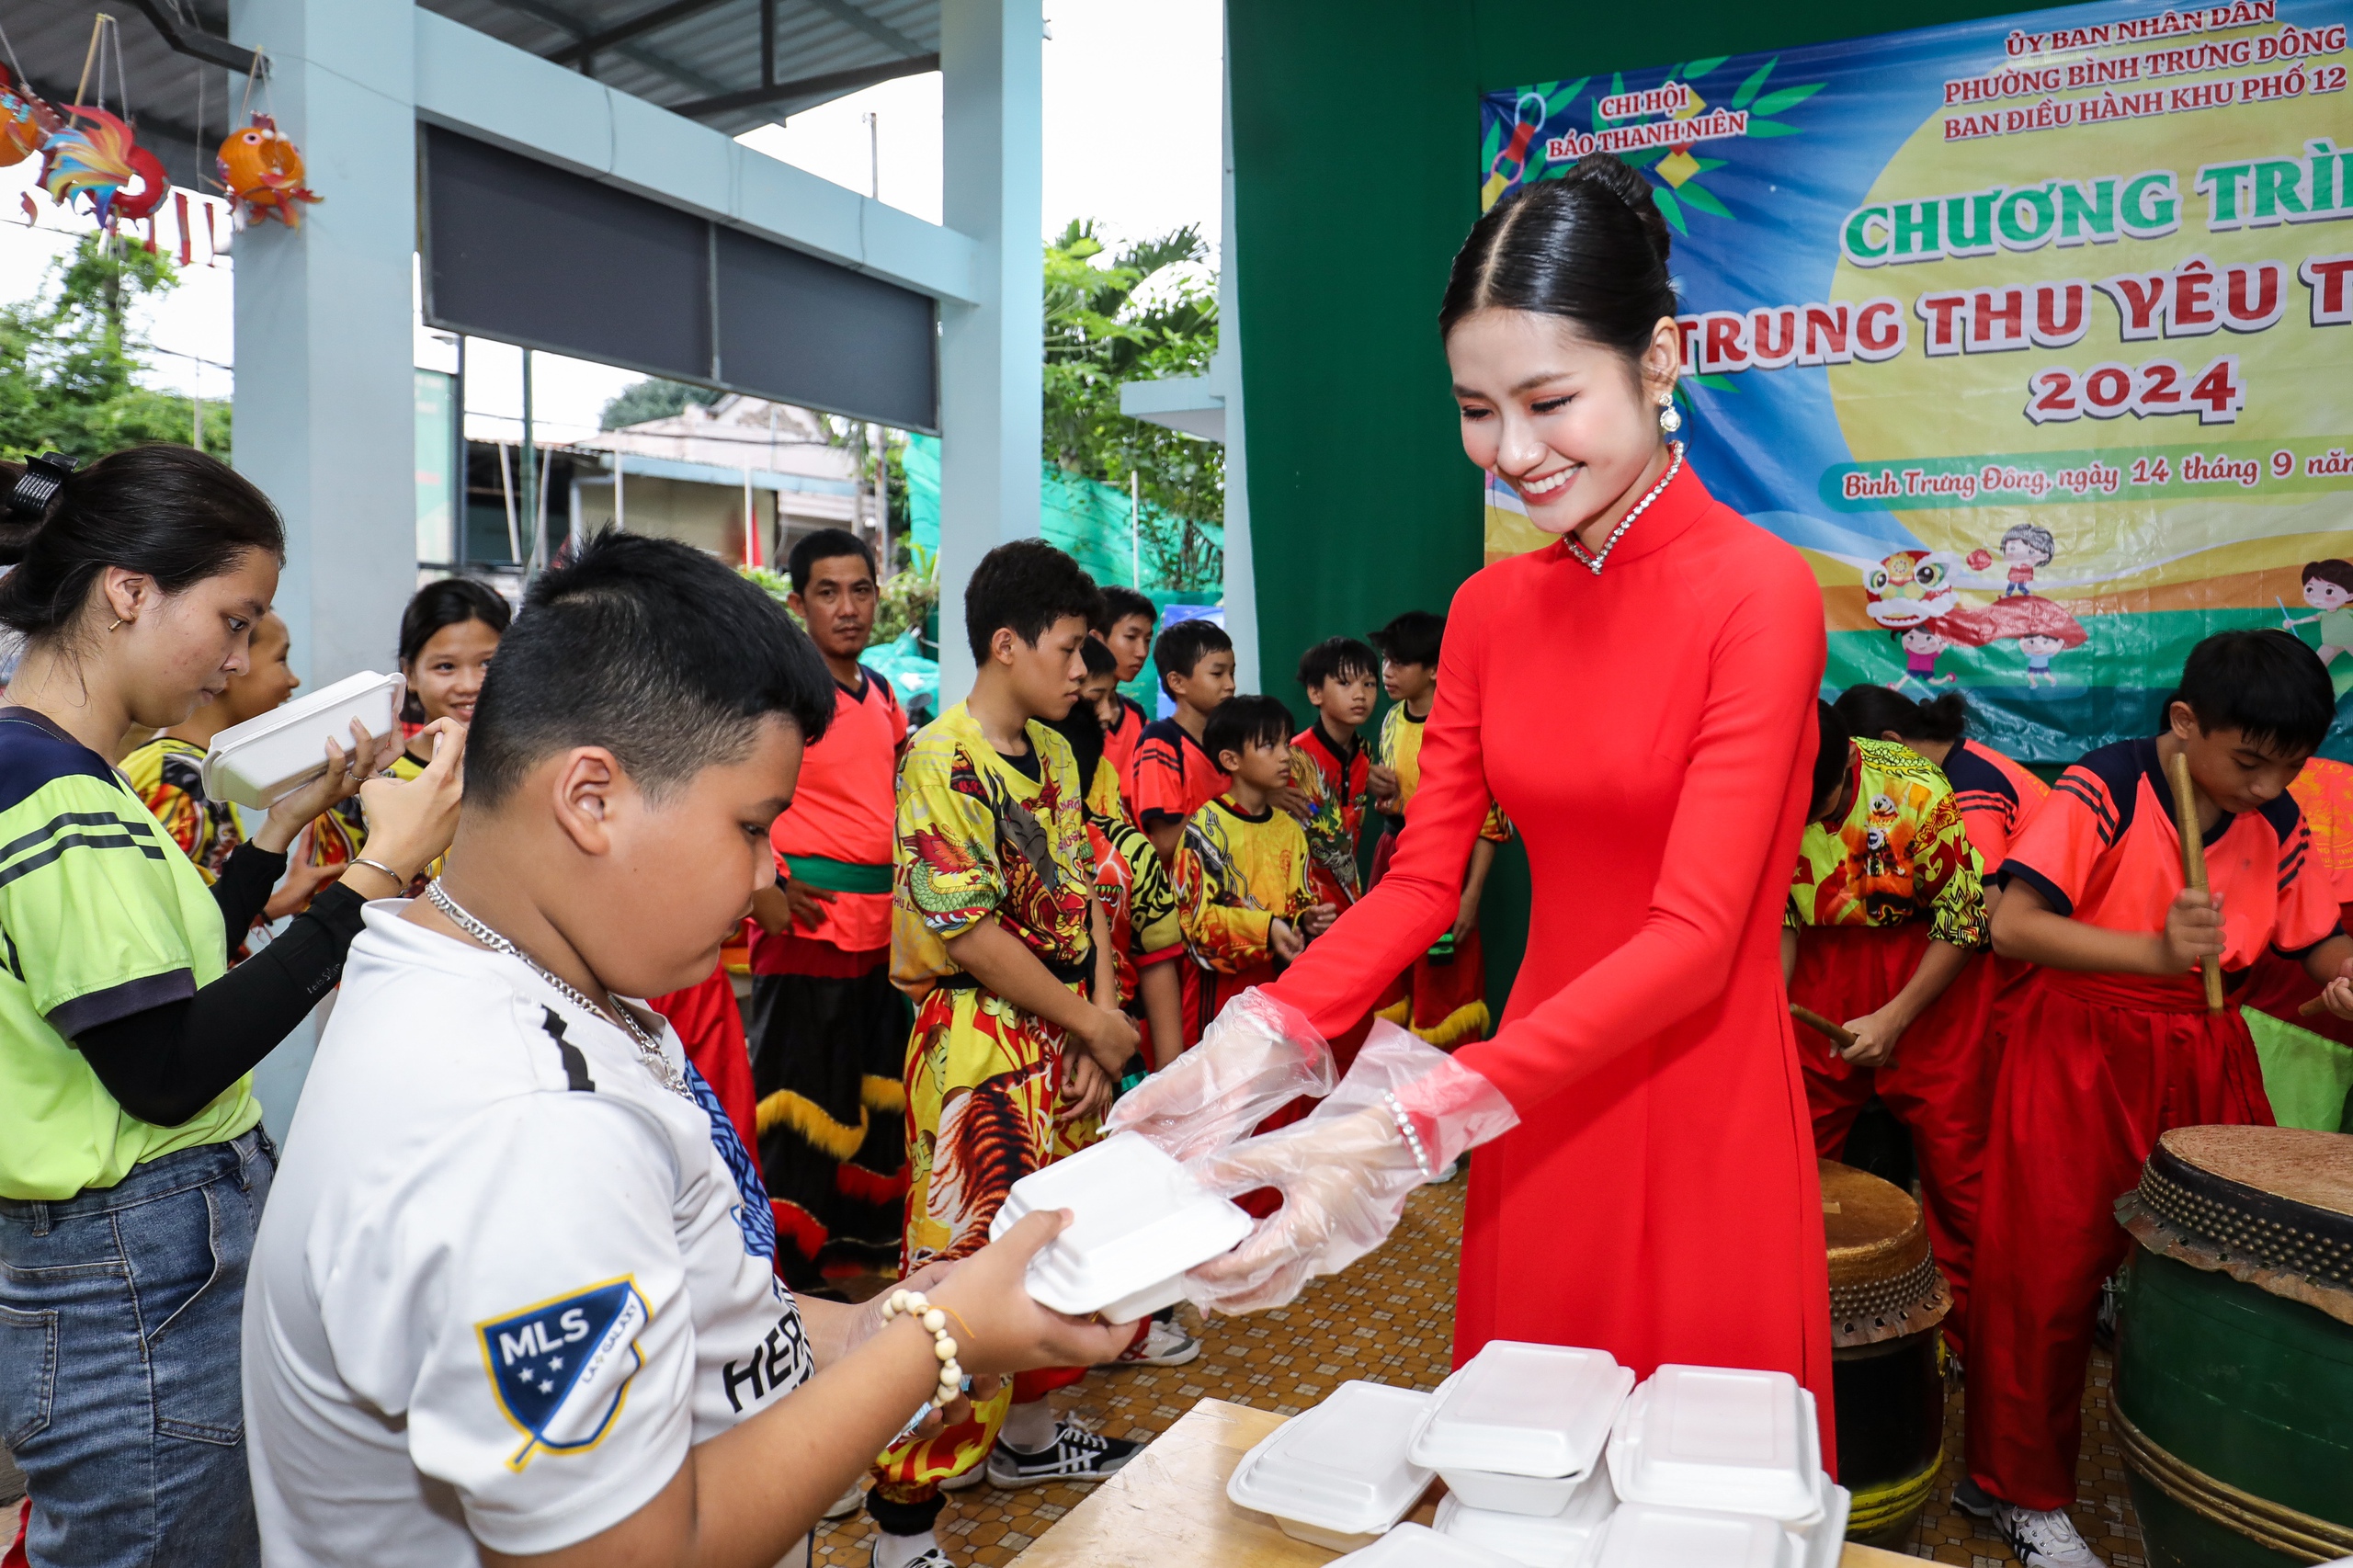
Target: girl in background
(447,634)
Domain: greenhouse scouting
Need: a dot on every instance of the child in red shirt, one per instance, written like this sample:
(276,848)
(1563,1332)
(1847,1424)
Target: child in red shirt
(1331,767)
(1171,776)
(1126,629)
(2112,1045)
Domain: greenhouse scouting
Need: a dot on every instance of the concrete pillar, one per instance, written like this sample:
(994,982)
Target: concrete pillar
(327,400)
(1241,571)
(991,373)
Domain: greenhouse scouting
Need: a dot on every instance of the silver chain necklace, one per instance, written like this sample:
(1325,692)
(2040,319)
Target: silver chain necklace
(1593,559)
(649,1050)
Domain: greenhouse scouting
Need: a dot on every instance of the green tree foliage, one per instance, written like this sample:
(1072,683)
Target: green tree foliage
(1148,312)
(651,399)
(68,361)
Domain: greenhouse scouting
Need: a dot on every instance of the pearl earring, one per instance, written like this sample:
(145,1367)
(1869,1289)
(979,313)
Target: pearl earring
(1670,418)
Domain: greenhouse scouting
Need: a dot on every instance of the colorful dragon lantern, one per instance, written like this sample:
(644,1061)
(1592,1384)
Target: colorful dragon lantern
(262,172)
(100,158)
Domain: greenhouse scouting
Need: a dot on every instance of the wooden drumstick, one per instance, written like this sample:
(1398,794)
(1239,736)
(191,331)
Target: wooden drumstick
(2193,861)
(1843,1038)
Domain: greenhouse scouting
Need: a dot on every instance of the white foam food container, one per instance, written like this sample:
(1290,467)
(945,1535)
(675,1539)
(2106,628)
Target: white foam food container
(1641,1535)
(261,761)
(1825,1538)
(1418,1545)
(1720,1438)
(1553,1540)
(1139,1223)
(1337,1475)
(1520,1424)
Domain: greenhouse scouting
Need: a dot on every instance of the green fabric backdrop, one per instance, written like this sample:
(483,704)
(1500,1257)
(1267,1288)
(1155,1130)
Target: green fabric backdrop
(1355,141)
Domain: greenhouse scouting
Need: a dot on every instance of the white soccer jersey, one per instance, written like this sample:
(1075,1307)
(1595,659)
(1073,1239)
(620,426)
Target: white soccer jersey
(504,1279)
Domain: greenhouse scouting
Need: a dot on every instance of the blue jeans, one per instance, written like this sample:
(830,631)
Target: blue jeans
(119,1312)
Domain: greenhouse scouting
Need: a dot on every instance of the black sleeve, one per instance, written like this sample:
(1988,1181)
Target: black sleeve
(243,888)
(167,1064)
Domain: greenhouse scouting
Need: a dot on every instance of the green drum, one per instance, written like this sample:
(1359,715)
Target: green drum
(2234,1398)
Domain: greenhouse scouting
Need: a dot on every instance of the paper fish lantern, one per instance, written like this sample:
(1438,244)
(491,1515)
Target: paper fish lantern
(101,160)
(25,122)
(262,170)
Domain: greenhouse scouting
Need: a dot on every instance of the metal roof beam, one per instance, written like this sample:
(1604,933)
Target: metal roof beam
(183,38)
(538,11)
(636,26)
(881,31)
(831,82)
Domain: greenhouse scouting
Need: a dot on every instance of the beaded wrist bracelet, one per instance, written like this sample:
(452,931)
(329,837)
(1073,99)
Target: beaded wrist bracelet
(1408,1130)
(915,1304)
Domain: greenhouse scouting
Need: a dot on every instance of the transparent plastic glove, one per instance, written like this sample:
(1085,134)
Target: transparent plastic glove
(1346,1172)
(1258,1056)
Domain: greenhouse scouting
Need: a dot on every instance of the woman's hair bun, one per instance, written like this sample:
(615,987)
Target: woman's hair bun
(1590,246)
(170,513)
(1622,179)
(29,494)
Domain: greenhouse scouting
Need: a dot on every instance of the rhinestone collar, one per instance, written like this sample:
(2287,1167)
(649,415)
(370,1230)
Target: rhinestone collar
(1591,559)
(649,1050)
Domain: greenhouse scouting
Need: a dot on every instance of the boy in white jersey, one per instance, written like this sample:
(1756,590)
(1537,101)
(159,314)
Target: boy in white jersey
(513,1298)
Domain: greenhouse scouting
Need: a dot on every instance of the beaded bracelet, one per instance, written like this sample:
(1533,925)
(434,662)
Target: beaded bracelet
(915,1305)
(1408,1130)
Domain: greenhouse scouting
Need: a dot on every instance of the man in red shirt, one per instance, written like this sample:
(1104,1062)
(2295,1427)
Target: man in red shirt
(828,1029)
(1126,629)
(2112,1044)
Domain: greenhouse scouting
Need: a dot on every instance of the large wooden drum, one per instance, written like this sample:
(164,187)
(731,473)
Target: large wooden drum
(1887,1309)
(2234,1398)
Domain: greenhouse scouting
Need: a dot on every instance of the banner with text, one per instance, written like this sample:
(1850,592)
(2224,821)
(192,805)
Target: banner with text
(2035,334)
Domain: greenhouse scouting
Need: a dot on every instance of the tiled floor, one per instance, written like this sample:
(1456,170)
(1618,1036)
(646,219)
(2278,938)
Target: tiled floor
(1390,1319)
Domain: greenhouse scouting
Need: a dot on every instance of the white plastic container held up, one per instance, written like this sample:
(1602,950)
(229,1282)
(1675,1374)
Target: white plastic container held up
(1140,1222)
(1337,1475)
(1555,1540)
(261,761)
(1418,1545)
(1521,1425)
(1722,1438)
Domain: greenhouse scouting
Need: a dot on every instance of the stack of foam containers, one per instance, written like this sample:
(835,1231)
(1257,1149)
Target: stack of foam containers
(1717,1467)
(1337,1475)
(1517,1434)
(1418,1545)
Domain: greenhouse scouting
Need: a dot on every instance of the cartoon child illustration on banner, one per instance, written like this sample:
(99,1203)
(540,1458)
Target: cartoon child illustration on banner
(2328,588)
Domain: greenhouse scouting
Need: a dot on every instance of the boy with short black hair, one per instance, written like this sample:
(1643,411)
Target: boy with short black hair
(1007,952)
(1243,893)
(512,1292)
(2112,1044)
(1445,993)
(1100,695)
(1171,776)
(1125,628)
(1331,769)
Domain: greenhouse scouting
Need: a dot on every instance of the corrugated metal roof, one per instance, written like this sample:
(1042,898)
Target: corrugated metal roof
(699,51)
(700,57)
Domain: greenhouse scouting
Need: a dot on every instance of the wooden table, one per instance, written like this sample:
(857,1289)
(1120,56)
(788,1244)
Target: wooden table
(1168,1508)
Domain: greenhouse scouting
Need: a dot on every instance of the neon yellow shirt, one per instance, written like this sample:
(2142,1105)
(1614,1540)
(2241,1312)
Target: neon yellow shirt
(103,916)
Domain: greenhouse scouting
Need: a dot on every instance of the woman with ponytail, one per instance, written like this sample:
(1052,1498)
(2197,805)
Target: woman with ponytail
(132,1164)
(1639,697)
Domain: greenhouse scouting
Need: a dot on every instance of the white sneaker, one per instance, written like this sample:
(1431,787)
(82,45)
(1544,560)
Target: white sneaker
(1164,1344)
(849,1503)
(2043,1539)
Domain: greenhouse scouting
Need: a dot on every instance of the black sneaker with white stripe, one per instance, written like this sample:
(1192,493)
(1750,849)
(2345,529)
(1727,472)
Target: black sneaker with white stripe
(1077,1456)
